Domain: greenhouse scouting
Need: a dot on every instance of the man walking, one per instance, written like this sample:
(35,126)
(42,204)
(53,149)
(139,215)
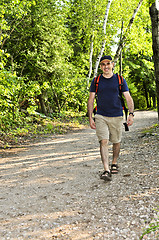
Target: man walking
(109,116)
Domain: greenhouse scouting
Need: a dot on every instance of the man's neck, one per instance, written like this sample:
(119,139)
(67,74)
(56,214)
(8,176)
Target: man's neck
(109,75)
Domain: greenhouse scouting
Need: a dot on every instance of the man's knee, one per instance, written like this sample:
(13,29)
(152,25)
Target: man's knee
(104,142)
(116,144)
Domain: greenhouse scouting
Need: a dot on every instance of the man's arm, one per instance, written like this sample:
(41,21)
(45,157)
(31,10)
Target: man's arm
(90,106)
(130,105)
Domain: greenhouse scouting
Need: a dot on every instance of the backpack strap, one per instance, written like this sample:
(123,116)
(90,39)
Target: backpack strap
(120,78)
(96,82)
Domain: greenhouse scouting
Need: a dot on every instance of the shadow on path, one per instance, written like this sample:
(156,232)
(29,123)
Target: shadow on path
(52,189)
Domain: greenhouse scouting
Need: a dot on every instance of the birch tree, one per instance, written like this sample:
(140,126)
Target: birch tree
(104,37)
(90,61)
(154,14)
(122,41)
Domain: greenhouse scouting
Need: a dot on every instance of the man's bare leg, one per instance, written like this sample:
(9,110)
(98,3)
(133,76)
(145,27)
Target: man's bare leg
(104,154)
(116,151)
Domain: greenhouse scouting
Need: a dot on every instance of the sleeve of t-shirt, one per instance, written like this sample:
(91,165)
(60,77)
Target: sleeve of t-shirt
(125,86)
(92,87)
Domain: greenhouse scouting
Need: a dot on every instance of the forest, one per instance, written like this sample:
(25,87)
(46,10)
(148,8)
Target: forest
(49,51)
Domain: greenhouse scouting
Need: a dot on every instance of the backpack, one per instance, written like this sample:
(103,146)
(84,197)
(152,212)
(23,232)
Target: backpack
(120,78)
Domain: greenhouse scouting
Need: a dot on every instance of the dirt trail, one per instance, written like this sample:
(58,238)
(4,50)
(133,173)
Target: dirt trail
(52,190)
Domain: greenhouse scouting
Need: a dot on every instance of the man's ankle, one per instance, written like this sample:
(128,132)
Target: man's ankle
(114,162)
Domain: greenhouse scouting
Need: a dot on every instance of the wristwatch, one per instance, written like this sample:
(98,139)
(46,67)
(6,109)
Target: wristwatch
(131,113)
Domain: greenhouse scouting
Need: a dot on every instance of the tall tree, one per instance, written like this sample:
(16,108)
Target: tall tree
(123,39)
(154,13)
(104,37)
(39,51)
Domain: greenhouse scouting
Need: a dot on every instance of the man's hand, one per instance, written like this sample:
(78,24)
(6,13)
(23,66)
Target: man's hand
(92,123)
(130,120)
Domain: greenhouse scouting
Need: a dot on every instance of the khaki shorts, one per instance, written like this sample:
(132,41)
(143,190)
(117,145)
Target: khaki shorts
(109,128)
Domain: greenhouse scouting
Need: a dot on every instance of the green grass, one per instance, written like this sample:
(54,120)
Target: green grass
(153,130)
(153,227)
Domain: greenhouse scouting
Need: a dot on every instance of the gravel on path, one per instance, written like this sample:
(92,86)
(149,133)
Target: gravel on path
(52,189)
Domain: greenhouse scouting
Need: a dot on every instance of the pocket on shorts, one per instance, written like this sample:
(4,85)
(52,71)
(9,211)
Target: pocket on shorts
(98,116)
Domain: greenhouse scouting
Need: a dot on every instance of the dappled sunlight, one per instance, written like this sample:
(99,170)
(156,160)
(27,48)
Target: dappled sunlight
(37,216)
(60,140)
(34,162)
(29,169)
(12,151)
(44,181)
(54,190)
(40,224)
(57,141)
(44,226)
(31,178)
(124,152)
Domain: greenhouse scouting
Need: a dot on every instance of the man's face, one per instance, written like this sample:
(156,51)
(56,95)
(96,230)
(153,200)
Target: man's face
(107,66)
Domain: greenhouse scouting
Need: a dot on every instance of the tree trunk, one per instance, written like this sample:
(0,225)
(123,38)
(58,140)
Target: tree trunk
(146,94)
(90,61)
(42,104)
(55,97)
(104,38)
(121,70)
(122,41)
(154,14)
(120,63)
(154,100)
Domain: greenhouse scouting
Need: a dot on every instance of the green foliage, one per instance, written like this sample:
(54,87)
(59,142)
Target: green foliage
(14,93)
(150,2)
(153,130)
(37,126)
(75,94)
(138,68)
(153,227)
(44,56)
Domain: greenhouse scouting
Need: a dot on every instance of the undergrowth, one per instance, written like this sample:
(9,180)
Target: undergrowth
(39,126)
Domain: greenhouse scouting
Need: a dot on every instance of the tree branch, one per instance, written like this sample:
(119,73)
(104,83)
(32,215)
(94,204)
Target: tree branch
(122,41)
(104,41)
(11,31)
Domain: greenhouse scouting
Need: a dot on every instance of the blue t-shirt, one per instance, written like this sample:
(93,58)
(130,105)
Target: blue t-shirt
(109,103)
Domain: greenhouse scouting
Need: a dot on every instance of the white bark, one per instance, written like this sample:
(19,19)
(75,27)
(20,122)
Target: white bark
(104,40)
(122,42)
(157,5)
(90,61)
(122,25)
